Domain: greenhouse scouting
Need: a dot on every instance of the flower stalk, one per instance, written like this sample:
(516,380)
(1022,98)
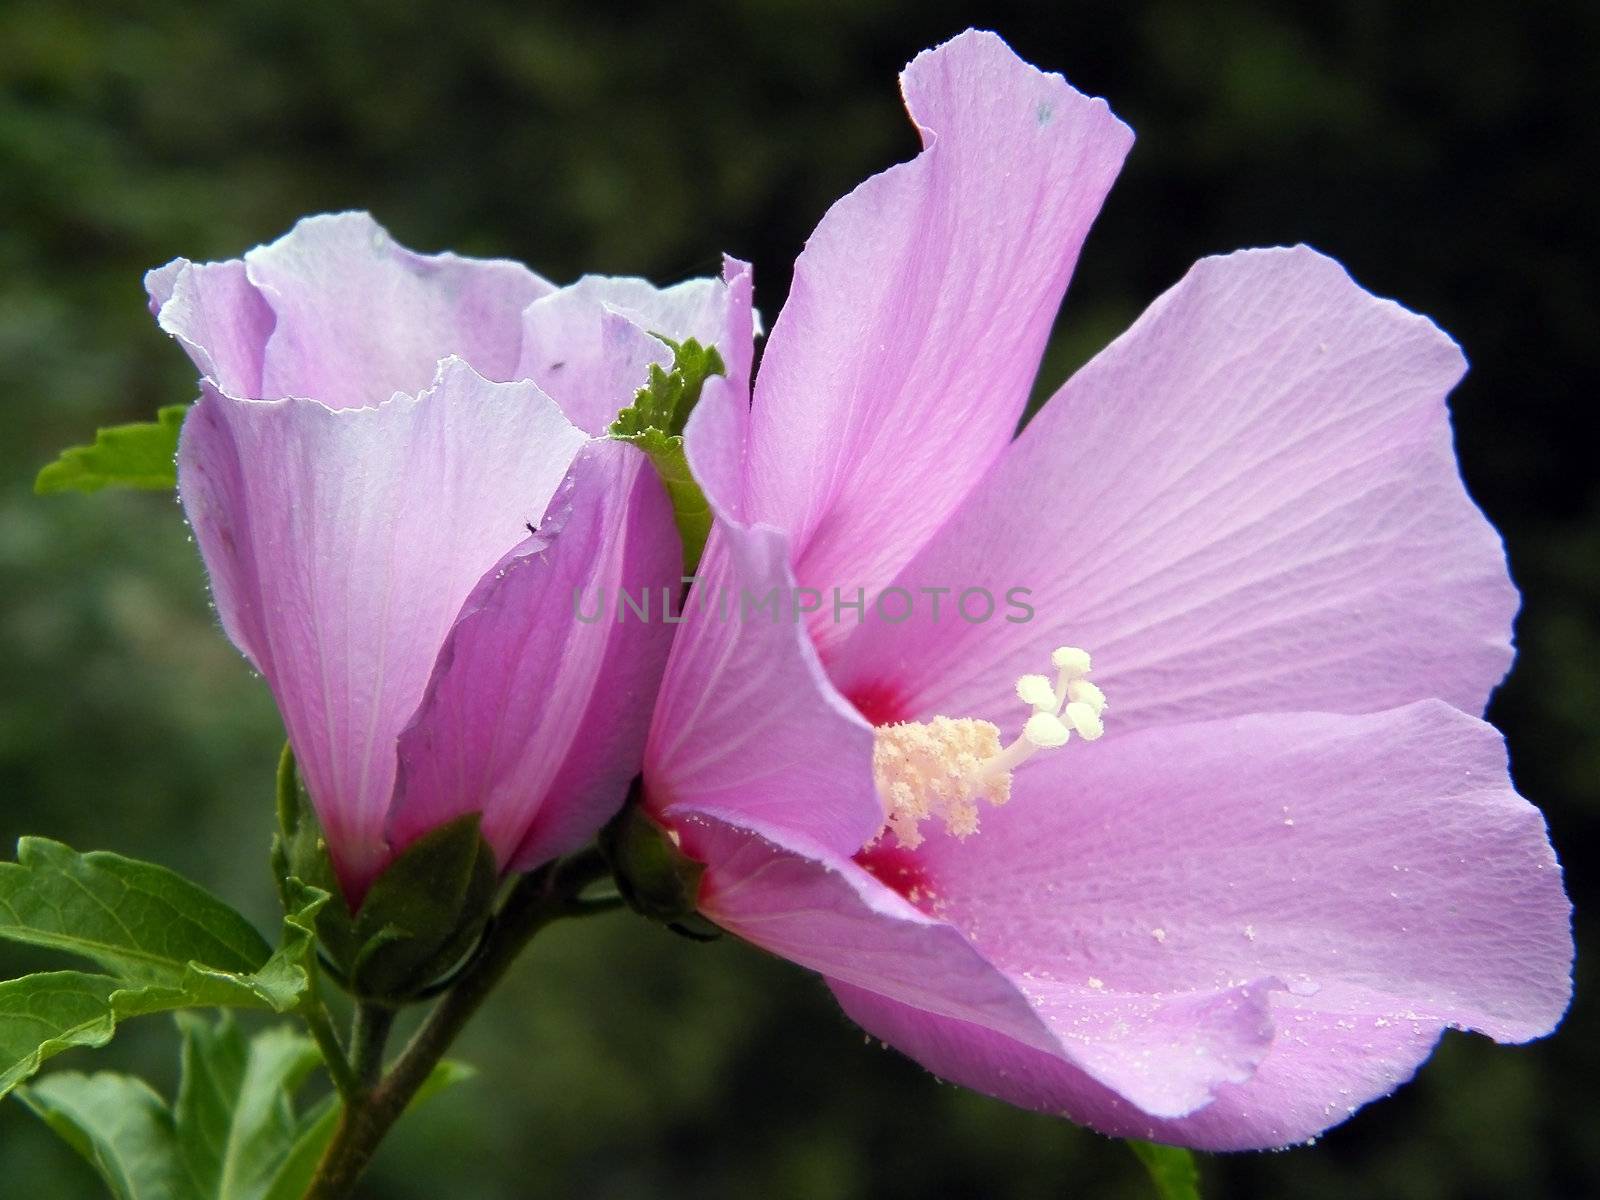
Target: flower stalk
(533,902)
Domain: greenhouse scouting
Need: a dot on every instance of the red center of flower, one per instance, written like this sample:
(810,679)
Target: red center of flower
(880,703)
(898,869)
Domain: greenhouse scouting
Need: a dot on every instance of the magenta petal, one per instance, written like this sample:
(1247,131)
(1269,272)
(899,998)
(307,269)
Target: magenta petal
(1247,503)
(1167,1054)
(919,310)
(534,717)
(360,317)
(218,317)
(590,345)
(341,546)
(746,724)
(1378,860)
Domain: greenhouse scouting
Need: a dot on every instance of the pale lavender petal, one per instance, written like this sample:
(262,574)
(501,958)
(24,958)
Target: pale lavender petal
(746,723)
(590,345)
(534,717)
(1248,503)
(341,546)
(218,317)
(716,440)
(590,359)
(1322,1068)
(919,310)
(743,323)
(359,317)
(1384,857)
(1168,1054)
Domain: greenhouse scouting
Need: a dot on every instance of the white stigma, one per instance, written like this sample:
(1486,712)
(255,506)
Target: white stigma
(943,767)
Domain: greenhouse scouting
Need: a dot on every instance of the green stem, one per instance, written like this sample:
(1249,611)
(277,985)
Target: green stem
(315,1015)
(534,902)
(369,1035)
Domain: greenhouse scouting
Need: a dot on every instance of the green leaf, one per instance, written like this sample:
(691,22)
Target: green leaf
(235,1116)
(141,455)
(234,1133)
(654,422)
(425,911)
(140,921)
(122,1127)
(315,1130)
(1172,1169)
(169,944)
(42,1015)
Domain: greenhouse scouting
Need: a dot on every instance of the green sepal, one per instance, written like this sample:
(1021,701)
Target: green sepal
(653,875)
(300,859)
(1171,1168)
(420,917)
(138,455)
(669,396)
(424,913)
(654,422)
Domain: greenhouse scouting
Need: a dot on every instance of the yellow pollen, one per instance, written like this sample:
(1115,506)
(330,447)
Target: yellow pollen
(942,768)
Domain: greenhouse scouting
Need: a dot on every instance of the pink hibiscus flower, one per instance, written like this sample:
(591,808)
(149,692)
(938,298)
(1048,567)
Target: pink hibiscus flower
(1295,855)
(392,479)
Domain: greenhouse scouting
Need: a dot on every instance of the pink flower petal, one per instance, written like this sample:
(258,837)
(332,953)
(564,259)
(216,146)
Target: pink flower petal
(746,723)
(360,318)
(1247,503)
(534,717)
(341,546)
(1383,855)
(218,317)
(717,438)
(590,345)
(1380,866)
(1167,1054)
(1323,1066)
(919,310)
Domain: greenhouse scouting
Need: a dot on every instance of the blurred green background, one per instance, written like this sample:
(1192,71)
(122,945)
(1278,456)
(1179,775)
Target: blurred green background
(1439,156)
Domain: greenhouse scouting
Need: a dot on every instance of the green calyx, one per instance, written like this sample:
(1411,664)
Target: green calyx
(653,874)
(419,919)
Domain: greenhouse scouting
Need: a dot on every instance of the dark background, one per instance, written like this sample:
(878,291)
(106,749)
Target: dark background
(1441,157)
